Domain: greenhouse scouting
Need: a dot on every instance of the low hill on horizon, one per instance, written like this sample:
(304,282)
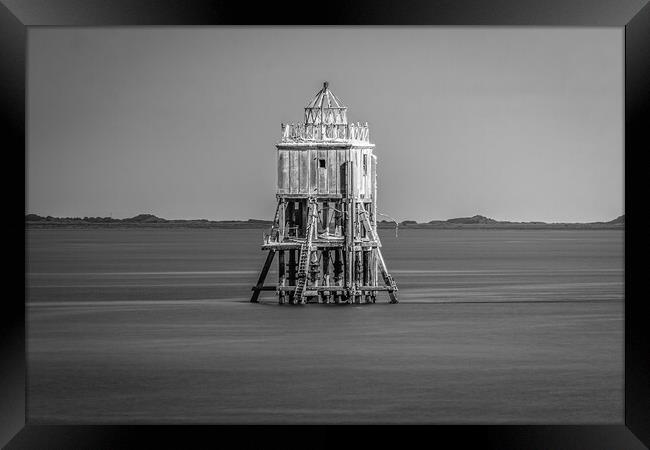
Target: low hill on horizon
(479,221)
(34,220)
(473,219)
(151,220)
(620,219)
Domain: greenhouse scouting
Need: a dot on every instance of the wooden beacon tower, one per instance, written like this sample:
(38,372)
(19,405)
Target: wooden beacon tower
(325,225)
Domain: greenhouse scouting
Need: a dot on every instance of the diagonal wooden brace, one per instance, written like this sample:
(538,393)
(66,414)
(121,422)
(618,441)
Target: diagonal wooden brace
(388,279)
(260,282)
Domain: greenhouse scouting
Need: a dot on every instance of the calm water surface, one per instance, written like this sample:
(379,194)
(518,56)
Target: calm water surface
(493,326)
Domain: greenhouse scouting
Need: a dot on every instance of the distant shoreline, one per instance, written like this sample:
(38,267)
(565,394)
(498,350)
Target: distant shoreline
(33,221)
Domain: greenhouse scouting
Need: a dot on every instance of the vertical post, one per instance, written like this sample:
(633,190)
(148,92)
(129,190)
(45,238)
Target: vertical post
(352,218)
(281,276)
(304,216)
(338,270)
(338,222)
(373,164)
(357,276)
(326,295)
(366,273)
(345,226)
(326,215)
(353,254)
(314,270)
(289,217)
(350,251)
(281,220)
(298,215)
(374,263)
(371,279)
(292,274)
(375,270)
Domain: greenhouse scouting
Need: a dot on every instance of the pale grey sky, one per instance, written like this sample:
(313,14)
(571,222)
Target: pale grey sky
(512,123)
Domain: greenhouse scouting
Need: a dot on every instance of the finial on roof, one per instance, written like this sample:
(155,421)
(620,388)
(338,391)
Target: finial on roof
(325,84)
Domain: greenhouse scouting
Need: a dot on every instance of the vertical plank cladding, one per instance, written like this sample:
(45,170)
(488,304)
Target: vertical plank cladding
(355,170)
(322,172)
(293,171)
(313,171)
(343,174)
(368,173)
(359,172)
(332,172)
(365,171)
(304,171)
(368,178)
(362,178)
(283,172)
(340,163)
(373,177)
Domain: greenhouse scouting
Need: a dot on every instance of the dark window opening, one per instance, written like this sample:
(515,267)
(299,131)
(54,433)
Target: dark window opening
(365,164)
(321,163)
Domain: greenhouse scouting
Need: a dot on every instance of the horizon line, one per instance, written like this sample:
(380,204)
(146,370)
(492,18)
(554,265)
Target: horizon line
(267,220)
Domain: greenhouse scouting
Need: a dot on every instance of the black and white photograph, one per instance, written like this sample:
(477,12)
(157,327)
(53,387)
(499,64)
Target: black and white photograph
(325,225)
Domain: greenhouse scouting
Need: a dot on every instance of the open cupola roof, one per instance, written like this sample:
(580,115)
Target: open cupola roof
(325,108)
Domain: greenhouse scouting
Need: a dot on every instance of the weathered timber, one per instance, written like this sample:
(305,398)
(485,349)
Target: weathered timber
(333,288)
(292,273)
(326,295)
(326,217)
(281,276)
(260,282)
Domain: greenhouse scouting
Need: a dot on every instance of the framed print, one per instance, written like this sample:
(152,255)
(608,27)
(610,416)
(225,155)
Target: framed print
(238,220)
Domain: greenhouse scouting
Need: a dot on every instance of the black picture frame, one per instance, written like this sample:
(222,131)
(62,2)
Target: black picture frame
(17,16)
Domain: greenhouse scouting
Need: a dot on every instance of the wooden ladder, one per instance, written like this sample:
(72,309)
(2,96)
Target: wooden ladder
(305,253)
